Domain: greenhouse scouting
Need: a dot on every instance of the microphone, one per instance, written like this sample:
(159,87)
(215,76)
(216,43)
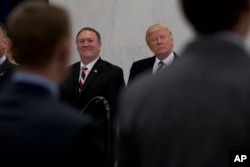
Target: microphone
(94,102)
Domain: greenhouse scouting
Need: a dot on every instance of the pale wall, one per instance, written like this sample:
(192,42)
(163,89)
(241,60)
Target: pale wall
(122,24)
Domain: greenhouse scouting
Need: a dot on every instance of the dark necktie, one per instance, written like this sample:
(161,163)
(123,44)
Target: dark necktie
(160,66)
(82,77)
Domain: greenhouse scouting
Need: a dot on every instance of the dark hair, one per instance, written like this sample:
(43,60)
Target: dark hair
(3,28)
(89,29)
(208,16)
(35,28)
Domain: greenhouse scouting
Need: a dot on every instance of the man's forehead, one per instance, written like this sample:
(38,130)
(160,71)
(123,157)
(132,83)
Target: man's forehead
(159,31)
(87,34)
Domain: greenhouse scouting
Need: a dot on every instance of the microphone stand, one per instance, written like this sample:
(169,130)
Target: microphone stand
(94,101)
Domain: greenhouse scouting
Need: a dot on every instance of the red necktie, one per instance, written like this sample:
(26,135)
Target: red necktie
(82,77)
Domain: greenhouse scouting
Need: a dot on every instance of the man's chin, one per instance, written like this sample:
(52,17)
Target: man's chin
(162,53)
(87,56)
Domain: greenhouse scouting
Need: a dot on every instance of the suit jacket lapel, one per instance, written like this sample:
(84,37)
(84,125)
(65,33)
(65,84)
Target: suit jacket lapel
(94,71)
(75,77)
(5,66)
(175,56)
(151,63)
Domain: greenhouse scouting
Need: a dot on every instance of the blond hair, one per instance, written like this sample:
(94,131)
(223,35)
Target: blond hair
(157,27)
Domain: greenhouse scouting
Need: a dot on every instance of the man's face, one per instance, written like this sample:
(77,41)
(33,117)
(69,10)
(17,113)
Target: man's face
(161,43)
(88,46)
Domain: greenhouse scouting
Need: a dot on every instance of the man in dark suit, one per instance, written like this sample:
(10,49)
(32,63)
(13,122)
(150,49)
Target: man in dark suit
(160,40)
(101,77)
(92,76)
(6,67)
(194,112)
(35,128)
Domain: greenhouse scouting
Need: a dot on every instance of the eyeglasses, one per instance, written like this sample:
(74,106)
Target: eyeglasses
(155,39)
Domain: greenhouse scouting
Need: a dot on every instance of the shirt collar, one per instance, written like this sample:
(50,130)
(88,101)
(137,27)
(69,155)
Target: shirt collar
(37,80)
(90,65)
(168,60)
(2,59)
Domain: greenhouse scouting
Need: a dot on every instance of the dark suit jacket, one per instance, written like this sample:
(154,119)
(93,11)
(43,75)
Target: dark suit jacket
(192,113)
(37,130)
(104,80)
(6,69)
(141,66)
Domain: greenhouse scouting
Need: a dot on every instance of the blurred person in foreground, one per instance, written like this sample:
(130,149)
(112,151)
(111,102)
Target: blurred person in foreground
(194,112)
(35,128)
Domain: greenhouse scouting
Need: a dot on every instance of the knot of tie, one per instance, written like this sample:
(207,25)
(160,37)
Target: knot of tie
(160,66)
(82,77)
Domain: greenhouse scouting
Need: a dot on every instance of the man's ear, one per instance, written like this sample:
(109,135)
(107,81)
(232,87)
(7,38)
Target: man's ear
(5,43)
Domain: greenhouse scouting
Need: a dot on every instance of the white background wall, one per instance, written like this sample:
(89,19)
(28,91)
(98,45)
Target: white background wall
(122,25)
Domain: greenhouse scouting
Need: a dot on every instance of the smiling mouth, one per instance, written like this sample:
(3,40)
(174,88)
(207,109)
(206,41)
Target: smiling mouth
(86,50)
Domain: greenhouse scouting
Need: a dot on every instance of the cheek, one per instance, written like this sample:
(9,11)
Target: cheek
(152,47)
(2,46)
(155,48)
(170,42)
(168,45)
(98,47)
(77,46)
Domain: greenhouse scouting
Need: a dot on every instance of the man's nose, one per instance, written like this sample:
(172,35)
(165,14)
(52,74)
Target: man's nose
(159,40)
(85,43)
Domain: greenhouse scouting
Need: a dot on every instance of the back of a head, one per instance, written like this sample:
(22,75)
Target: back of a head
(35,28)
(213,15)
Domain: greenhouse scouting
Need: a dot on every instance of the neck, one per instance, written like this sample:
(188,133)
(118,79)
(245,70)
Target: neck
(163,56)
(86,61)
(48,74)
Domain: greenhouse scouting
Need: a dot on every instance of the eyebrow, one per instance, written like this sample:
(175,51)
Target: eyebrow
(165,35)
(85,38)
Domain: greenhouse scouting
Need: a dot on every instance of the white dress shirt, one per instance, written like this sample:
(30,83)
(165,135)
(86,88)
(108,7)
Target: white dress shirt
(168,60)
